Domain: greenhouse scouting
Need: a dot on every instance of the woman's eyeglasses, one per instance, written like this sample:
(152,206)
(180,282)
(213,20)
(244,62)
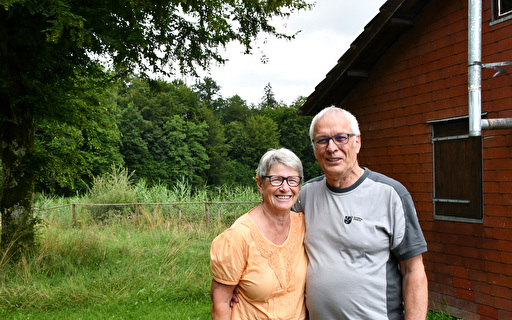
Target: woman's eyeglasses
(276,181)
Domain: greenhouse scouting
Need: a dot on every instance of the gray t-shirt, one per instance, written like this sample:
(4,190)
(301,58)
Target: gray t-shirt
(355,238)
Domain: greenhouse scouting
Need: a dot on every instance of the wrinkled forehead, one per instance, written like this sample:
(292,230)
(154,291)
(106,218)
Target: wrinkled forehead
(331,124)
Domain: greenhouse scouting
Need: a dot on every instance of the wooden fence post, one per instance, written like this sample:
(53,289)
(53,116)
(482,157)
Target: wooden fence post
(207,213)
(73,210)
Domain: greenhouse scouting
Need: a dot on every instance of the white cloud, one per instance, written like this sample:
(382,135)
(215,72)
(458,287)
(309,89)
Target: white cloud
(295,67)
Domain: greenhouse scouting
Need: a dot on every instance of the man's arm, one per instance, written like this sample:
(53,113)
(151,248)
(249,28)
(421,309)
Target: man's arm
(221,296)
(415,288)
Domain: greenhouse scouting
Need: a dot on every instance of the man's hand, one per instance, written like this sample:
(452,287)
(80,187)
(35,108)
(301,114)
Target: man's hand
(234,298)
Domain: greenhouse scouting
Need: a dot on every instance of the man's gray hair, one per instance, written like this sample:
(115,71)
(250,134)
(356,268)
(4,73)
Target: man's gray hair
(275,156)
(354,125)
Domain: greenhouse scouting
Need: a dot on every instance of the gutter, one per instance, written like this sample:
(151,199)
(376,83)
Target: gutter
(476,124)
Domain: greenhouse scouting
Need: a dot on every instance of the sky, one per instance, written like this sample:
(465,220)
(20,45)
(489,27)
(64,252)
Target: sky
(295,67)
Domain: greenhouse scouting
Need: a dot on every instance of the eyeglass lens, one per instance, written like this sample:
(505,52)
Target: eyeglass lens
(339,139)
(292,181)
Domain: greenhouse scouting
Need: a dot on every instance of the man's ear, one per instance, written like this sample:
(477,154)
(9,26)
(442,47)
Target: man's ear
(357,143)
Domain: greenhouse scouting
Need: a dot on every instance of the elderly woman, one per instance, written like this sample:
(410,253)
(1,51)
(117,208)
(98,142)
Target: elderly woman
(262,253)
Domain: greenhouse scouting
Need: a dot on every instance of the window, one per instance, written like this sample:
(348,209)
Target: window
(457,171)
(501,9)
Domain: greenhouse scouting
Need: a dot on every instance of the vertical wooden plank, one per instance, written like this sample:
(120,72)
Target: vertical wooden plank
(207,213)
(73,211)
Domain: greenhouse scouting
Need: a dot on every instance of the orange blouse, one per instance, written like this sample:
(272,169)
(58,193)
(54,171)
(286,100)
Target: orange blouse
(271,277)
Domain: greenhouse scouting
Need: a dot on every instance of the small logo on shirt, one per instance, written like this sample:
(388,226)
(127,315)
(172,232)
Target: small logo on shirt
(349,219)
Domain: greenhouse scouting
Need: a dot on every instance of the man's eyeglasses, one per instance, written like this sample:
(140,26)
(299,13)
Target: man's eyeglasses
(339,139)
(276,181)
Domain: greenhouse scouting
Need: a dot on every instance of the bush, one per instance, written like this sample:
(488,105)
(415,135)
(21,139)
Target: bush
(113,187)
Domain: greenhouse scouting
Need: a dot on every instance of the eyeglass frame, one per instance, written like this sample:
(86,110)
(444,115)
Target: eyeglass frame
(283,179)
(333,140)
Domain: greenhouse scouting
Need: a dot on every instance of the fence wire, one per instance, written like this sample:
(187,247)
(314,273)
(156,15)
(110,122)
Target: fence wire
(223,212)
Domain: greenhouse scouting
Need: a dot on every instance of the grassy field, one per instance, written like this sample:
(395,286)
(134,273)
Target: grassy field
(115,271)
(113,265)
(155,269)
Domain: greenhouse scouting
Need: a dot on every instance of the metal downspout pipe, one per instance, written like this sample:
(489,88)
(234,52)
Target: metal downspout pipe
(476,124)
(475,66)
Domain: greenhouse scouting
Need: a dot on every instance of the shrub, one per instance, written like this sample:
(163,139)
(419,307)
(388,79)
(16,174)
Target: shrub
(112,187)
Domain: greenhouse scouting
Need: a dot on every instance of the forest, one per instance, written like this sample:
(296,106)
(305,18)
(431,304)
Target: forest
(165,132)
(70,107)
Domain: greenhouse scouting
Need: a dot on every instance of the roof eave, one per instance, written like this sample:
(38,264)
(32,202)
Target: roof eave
(394,18)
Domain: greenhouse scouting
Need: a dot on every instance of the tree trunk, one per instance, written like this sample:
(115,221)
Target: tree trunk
(17,146)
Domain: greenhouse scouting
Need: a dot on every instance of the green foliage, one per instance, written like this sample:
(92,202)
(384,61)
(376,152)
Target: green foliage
(434,315)
(268,101)
(186,152)
(134,148)
(109,188)
(115,270)
(294,135)
(163,133)
(48,46)
(234,109)
(215,144)
(73,149)
(207,90)
(164,139)
(171,133)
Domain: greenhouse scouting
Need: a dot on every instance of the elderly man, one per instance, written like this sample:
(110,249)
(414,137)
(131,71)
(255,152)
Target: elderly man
(363,238)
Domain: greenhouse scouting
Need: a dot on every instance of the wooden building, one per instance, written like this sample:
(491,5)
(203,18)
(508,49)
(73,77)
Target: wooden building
(405,78)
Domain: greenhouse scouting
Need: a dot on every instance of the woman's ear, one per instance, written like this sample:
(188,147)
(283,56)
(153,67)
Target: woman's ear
(259,182)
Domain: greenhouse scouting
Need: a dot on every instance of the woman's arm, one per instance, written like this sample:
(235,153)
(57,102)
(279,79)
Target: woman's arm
(221,296)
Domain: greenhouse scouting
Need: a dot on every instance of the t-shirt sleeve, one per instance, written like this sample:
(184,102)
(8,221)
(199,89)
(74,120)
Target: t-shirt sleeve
(413,241)
(297,206)
(228,257)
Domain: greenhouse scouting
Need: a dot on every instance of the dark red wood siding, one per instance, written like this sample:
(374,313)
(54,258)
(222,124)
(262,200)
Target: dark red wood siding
(423,77)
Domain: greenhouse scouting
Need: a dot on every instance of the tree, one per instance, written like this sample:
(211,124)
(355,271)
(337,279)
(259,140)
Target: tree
(207,90)
(234,109)
(208,93)
(72,151)
(45,44)
(263,134)
(268,101)
(294,135)
(186,153)
(238,166)
(247,141)
(133,147)
(215,147)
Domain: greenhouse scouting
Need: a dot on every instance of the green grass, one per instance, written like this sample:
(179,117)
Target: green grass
(114,265)
(121,271)
(434,315)
(152,267)
(155,269)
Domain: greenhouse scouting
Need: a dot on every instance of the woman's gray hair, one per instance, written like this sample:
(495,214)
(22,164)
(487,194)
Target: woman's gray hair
(354,125)
(275,156)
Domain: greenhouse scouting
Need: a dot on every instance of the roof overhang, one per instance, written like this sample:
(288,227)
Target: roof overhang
(394,18)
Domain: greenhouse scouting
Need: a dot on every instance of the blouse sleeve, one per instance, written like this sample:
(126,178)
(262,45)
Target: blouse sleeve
(228,257)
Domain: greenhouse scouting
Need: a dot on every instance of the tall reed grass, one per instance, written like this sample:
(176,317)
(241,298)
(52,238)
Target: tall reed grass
(155,266)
